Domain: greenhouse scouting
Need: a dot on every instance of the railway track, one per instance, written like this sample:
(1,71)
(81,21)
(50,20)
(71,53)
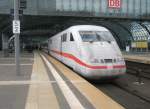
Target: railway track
(140,70)
(132,91)
(124,95)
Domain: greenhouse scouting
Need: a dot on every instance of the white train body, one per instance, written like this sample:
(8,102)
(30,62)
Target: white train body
(90,50)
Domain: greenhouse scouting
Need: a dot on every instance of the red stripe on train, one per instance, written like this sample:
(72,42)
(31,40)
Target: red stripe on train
(70,56)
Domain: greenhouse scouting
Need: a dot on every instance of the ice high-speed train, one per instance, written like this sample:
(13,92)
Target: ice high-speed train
(90,50)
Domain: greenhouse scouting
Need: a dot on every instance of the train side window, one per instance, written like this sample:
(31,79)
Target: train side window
(71,37)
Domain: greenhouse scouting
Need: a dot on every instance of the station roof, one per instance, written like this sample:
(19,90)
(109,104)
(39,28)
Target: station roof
(44,18)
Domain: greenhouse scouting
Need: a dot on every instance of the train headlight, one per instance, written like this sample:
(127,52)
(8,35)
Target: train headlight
(102,61)
(97,61)
(120,60)
(94,61)
(114,60)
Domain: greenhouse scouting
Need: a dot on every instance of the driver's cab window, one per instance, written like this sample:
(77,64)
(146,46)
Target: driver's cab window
(71,37)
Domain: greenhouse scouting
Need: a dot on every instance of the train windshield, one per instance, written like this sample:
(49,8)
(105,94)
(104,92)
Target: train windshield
(95,36)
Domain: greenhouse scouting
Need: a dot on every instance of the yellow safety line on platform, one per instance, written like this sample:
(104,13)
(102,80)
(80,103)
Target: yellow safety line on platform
(40,96)
(94,95)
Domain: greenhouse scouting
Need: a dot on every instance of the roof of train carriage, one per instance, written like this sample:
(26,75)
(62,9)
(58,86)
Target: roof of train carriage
(88,27)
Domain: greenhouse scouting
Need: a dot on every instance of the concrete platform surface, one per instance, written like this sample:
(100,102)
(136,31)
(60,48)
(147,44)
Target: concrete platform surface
(84,91)
(137,57)
(45,83)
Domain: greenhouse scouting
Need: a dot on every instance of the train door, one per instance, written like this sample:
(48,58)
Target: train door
(61,41)
(63,47)
(72,48)
(48,44)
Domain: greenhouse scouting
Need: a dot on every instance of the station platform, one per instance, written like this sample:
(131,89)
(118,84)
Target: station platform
(45,83)
(137,57)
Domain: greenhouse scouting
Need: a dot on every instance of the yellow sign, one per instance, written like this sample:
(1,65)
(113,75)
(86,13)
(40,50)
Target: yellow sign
(139,44)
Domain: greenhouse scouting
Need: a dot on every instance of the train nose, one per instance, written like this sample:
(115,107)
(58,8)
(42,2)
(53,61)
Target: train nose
(104,73)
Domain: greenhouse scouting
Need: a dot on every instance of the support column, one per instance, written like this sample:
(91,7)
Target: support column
(0,42)
(5,39)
